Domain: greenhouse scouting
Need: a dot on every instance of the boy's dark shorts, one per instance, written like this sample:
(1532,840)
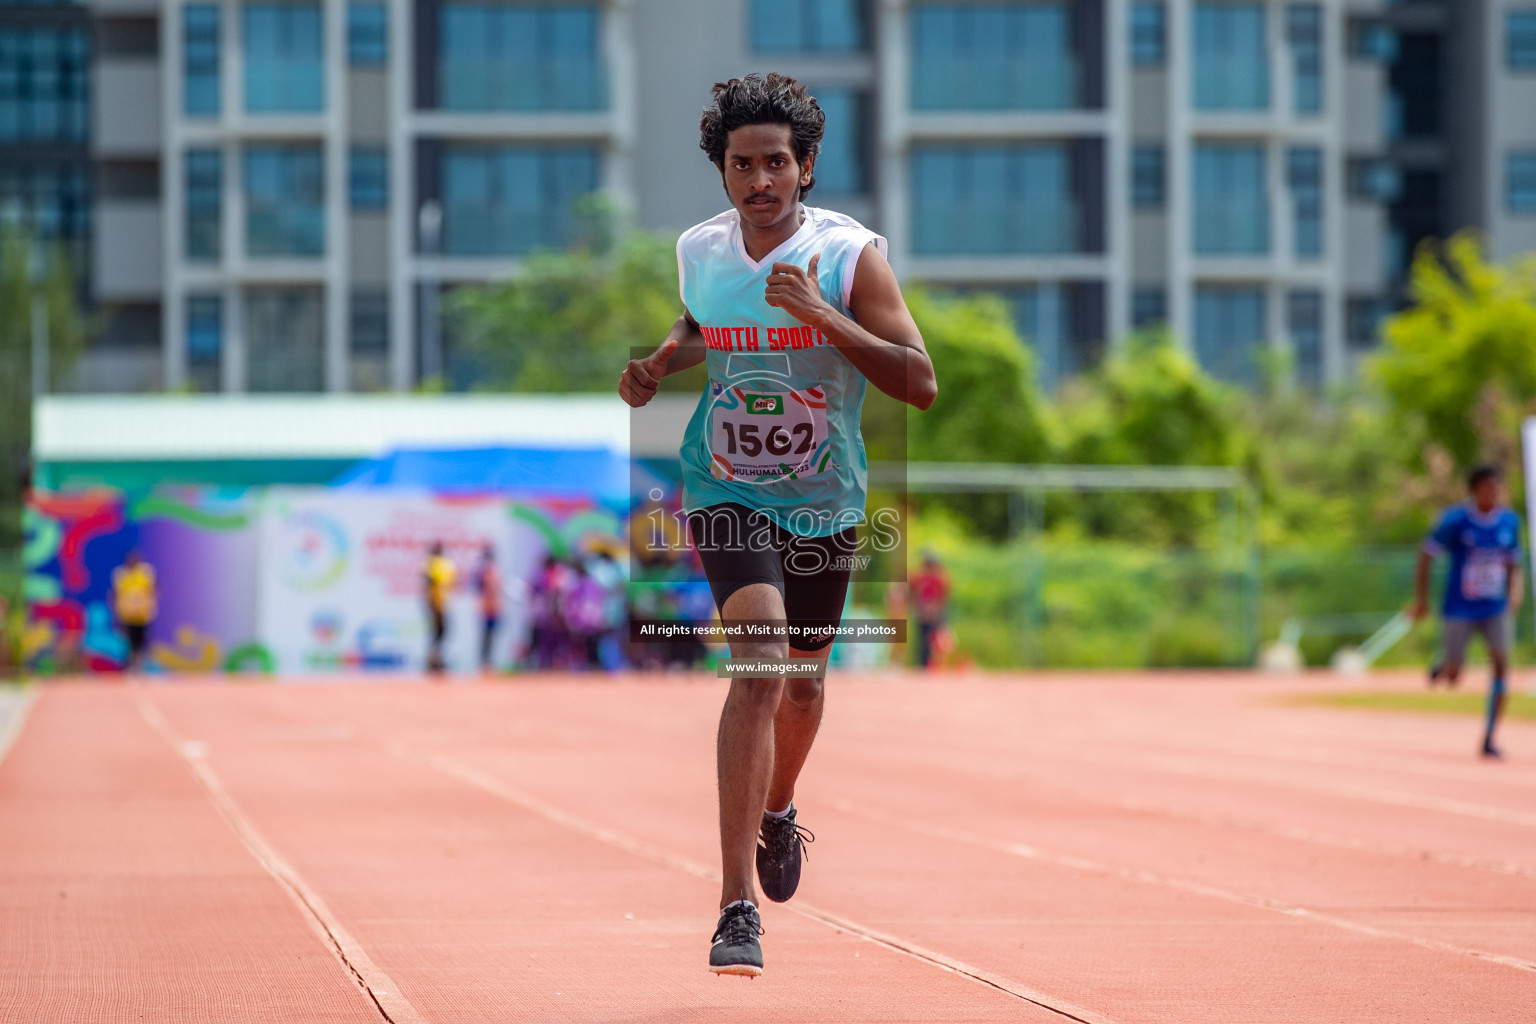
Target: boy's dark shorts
(740,546)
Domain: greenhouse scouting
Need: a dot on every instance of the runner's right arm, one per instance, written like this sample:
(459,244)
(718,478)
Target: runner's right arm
(682,349)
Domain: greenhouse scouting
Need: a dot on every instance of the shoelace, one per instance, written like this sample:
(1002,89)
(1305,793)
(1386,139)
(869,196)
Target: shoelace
(740,924)
(780,840)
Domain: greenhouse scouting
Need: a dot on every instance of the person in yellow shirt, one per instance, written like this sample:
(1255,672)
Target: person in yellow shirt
(440,574)
(135,603)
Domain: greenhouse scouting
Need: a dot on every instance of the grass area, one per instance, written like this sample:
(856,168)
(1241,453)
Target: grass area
(1462,702)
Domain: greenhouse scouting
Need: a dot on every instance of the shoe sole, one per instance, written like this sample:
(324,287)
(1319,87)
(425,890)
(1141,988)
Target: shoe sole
(740,970)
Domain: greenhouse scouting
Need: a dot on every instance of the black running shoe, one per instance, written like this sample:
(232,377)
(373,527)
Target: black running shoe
(735,949)
(1492,752)
(780,847)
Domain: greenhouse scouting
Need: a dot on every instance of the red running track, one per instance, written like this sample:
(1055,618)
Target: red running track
(1105,848)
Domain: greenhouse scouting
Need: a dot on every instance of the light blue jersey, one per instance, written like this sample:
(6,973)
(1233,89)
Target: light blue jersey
(777,428)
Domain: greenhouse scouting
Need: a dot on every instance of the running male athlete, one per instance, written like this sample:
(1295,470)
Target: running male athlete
(1482,590)
(792,309)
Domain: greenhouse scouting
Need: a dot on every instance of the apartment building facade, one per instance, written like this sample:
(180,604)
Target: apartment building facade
(282,190)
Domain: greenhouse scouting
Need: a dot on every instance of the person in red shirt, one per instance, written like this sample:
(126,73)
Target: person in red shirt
(930,603)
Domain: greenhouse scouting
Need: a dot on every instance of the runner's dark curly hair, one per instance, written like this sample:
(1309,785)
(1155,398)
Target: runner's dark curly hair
(776,99)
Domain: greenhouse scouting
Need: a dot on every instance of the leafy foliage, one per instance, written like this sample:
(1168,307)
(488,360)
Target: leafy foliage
(569,320)
(989,408)
(68,329)
(1459,366)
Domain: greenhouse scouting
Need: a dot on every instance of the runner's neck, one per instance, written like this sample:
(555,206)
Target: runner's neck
(759,242)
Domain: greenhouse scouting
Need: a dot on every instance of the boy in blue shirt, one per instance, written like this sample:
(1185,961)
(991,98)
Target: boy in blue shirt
(1483,588)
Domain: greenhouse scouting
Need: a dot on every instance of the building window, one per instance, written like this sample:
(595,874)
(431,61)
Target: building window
(1375,180)
(1147,177)
(508,200)
(1305,170)
(842,168)
(44,91)
(367,34)
(993,57)
(54,200)
(501,56)
(1231,57)
(284,339)
(808,26)
(1417,84)
(369,339)
(1149,308)
(994,199)
(1229,331)
(284,59)
(1521,174)
(1304,321)
(1362,320)
(200,60)
(1060,322)
(368,178)
(205,204)
(205,342)
(1520,39)
(284,200)
(1230,200)
(1305,27)
(1149,33)
(1373,40)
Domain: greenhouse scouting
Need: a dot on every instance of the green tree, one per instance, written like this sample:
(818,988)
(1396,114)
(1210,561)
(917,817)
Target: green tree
(1459,365)
(68,329)
(989,407)
(1149,404)
(569,320)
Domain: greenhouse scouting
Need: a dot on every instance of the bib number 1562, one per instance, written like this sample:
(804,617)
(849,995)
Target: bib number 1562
(763,436)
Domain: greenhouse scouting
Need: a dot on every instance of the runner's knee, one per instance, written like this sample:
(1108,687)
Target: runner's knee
(762,649)
(760,694)
(803,693)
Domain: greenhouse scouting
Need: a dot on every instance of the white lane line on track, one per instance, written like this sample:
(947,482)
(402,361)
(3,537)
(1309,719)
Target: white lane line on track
(17,719)
(1303,835)
(468,774)
(1370,794)
(378,986)
(1182,885)
(1192,768)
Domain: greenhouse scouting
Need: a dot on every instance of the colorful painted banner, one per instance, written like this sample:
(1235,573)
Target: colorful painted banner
(202,544)
(291,580)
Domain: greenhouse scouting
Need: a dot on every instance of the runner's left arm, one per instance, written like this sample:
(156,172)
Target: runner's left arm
(881,339)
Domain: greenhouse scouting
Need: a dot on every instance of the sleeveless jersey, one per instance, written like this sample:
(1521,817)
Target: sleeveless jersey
(777,427)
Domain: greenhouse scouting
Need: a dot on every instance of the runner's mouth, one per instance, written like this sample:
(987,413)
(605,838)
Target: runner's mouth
(762,201)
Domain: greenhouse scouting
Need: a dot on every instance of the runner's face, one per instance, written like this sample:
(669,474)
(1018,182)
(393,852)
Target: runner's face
(761,174)
(1488,494)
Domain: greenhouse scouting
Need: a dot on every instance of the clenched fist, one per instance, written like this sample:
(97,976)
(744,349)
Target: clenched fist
(638,382)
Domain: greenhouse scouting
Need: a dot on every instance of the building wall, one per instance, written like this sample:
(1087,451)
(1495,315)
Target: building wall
(382,271)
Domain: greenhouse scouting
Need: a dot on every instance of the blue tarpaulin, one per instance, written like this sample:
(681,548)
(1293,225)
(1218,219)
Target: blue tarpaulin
(598,473)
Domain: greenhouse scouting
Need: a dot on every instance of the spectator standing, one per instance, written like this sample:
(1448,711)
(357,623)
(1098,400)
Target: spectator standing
(930,605)
(135,605)
(439,576)
(488,583)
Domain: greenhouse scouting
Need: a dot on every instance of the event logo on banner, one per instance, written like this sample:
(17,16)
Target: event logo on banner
(312,550)
(341,586)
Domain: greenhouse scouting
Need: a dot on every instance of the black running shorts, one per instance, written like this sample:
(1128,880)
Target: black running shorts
(740,546)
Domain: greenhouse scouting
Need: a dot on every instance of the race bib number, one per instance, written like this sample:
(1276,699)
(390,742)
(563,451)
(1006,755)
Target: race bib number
(1484,578)
(762,436)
